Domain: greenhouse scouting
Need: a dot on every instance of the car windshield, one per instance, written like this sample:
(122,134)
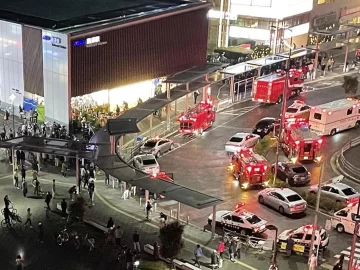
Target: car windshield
(262,124)
(291,110)
(299,169)
(349,191)
(150,144)
(293,198)
(149,161)
(253,219)
(236,139)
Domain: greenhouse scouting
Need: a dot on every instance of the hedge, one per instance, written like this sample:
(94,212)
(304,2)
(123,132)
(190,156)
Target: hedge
(153,265)
(326,203)
(265,145)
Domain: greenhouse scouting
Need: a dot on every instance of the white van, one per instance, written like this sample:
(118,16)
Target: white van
(335,116)
(344,219)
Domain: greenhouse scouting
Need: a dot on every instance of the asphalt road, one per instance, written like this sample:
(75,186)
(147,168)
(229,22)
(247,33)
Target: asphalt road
(201,163)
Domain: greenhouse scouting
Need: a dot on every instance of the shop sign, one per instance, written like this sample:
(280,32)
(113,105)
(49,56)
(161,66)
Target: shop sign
(16,91)
(55,41)
(90,42)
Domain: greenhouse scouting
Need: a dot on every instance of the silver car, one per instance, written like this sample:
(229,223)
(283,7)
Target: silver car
(338,192)
(240,141)
(284,200)
(157,147)
(146,163)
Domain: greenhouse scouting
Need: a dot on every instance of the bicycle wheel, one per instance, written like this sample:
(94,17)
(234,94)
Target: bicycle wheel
(59,240)
(13,221)
(65,236)
(18,218)
(3,223)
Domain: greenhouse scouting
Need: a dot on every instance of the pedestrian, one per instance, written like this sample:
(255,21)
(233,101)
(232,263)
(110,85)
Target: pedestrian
(129,258)
(221,248)
(238,249)
(232,249)
(57,161)
(16,178)
(196,94)
(91,190)
(72,191)
(63,169)
(312,261)
(86,178)
(48,198)
(28,217)
(7,215)
(339,263)
(215,259)
(34,175)
(330,63)
(53,189)
(41,233)
(7,201)
(63,208)
(110,223)
(198,253)
(24,187)
(23,173)
(107,179)
(118,235)
(148,209)
(289,246)
(136,241)
(19,262)
(22,157)
(18,157)
(37,188)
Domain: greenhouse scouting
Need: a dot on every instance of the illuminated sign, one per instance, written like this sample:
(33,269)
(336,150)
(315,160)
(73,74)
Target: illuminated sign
(55,41)
(90,42)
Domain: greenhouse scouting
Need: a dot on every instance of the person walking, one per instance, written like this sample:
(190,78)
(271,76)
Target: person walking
(28,218)
(37,188)
(23,173)
(312,261)
(53,189)
(24,187)
(19,262)
(339,263)
(198,253)
(91,190)
(221,248)
(22,158)
(238,249)
(16,179)
(41,233)
(7,215)
(289,246)
(148,209)
(136,241)
(63,208)
(118,235)
(232,249)
(72,191)
(63,169)
(18,157)
(48,198)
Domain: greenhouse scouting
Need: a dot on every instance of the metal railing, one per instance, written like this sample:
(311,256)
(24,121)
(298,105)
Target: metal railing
(355,171)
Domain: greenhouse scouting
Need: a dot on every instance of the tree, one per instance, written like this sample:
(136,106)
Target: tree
(350,85)
(260,51)
(171,242)
(78,208)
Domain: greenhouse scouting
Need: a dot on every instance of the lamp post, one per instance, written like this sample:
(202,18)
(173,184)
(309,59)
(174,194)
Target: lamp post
(12,99)
(318,194)
(273,265)
(283,107)
(353,245)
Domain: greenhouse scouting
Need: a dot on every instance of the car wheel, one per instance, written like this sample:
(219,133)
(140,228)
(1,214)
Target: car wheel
(243,232)
(280,99)
(158,154)
(261,199)
(171,147)
(211,123)
(333,132)
(340,228)
(201,131)
(357,124)
(281,210)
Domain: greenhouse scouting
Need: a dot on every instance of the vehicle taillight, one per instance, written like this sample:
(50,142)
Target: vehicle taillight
(329,113)
(249,169)
(153,150)
(320,141)
(297,142)
(265,168)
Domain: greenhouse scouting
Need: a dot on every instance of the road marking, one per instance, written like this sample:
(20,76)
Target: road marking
(104,201)
(236,114)
(347,252)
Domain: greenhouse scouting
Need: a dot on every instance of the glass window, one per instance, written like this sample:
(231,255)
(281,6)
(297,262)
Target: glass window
(150,144)
(354,217)
(326,188)
(236,139)
(304,108)
(349,191)
(342,213)
(297,236)
(334,190)
(308,237)
(349,111)
(237,219)
(149,161)
(185,125)
(294,198)
(299,169)
(317,116)
(254,219)
(241,22)
(227,217)
(291,110)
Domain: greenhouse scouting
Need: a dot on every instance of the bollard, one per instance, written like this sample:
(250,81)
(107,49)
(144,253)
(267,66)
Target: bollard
(140,200)
(187,220)
(155,206)
(171,213)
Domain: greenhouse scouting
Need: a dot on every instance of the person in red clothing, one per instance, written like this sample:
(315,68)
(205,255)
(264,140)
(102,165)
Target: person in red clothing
(221,248)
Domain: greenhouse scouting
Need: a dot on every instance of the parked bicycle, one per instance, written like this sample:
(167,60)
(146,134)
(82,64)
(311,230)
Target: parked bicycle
(14,219)
(62,237)
(11,208)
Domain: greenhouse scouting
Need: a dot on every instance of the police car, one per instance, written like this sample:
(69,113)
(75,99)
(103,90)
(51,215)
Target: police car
(240,221)
(302,238)
(298,109)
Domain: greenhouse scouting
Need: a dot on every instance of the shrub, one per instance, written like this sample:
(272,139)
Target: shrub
(153,265)
(278,183)
(326,203)
(265,144)
(78,208)
(171,242)
(260,51)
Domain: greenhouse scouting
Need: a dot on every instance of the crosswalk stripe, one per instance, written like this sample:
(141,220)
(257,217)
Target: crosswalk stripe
(347,253)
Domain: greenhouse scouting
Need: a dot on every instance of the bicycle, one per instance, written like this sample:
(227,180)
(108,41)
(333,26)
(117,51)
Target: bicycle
(11,208)
(62,237)
(9,224)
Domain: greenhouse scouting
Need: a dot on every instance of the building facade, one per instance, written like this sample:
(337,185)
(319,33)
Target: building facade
(110,64)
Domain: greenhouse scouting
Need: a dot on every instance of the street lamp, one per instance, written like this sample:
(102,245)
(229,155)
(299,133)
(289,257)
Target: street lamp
(284,99)
(321,162)
(356,231)
(12,99)
(273,260)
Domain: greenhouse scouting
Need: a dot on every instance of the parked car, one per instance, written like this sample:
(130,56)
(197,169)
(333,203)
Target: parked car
(146,163)
(292,174)
(265,126)
(298,110)
(157,146)
(338,192)
(284,200)
(241,140)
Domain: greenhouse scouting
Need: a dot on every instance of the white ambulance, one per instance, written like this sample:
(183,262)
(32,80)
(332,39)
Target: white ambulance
(335,116)
(344,219)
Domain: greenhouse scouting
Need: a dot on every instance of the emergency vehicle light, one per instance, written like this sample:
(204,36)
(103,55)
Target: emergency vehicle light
(324,110)
(329,113)
(265,168)
(245,185)
(297,142)
(257,169)
(249,169)
(354,106)
(320,141)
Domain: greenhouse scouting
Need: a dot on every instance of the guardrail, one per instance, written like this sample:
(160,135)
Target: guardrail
(347,166)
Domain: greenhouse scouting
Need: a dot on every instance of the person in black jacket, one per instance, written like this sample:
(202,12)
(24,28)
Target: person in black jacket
(110,223)
(136,241)
(22,157)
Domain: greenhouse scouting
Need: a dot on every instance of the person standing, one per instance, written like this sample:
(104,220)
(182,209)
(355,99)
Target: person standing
(118,236)
(28,217)
(148,209)
(23,173)
(41,233)
(48,200)
(232,249)
(53,189)
(91,190)
(198,253)
(16,178)
(339,263)
(196,94)
(24,187)
(238,249)
(18,157)
(63,169)
(63,208)
(136,241)
(221,248)
(22,158)
(72,191)
(37,188)
(289,246)
(312,262)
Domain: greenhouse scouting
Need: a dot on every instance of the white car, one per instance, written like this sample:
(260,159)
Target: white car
(157,146)
(338,192)
(241,140)
(239,220)
(298,109)
(302,238)
(146,163)
(284,200)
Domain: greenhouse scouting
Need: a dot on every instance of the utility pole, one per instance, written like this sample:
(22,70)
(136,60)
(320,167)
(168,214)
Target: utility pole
(353,245)
(316,56)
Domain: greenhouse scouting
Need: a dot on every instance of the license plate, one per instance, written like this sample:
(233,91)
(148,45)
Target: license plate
(305,157)
(283,245)
(302,178)
(259,130)
(299,248)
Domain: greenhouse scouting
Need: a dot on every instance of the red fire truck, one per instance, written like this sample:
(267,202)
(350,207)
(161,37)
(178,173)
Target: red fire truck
(250,168)
(298,142)
(270,88)
(197,119)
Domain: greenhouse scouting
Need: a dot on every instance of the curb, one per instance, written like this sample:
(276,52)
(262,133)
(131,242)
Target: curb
(342,171)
